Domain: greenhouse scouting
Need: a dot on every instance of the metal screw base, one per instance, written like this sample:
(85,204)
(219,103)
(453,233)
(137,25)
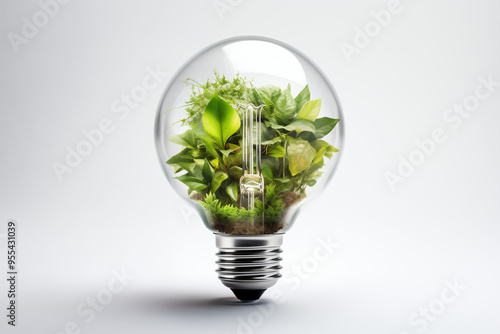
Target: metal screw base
(249,264)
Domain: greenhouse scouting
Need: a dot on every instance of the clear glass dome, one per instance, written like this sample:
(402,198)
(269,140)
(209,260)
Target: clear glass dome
(248,131)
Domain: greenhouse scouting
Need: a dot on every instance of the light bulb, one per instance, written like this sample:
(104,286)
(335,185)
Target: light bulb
(248,131)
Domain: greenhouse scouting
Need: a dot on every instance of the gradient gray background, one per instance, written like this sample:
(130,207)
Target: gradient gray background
(116,210)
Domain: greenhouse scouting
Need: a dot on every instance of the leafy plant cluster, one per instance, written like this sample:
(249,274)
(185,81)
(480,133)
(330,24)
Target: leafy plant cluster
(293,150)
(270,210)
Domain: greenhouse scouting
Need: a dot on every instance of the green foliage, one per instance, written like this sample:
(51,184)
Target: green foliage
(272,208)
(236,91)
(285,108)
(300,155)
(303,97)
(293,151)
(220,121)
(310,110)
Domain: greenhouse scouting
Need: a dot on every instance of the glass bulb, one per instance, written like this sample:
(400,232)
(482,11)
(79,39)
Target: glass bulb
(248,131)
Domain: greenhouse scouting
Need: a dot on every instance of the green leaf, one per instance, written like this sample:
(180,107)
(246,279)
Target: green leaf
(232,190)
(256,97)
(183,156)
(277,151)
(310,110)
(209,146)
(217,180)
(330,150)
(226,152)
(192,182)
(187,139)
(264,131)
(300,155)
(324,125)
(283,184)
(269,94)
(303,97)
(300,125)
(285,107)
(324,147)
(207,171)
(188,167)
(220,120)
(177,168)
(272,141)
(267,169)
(297,125)
(318,158)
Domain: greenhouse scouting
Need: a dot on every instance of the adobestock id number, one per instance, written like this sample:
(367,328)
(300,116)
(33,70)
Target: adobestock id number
(11,246)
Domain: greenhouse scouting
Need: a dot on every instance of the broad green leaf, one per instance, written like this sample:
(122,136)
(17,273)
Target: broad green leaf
(297,125)
(269,94)
(303,97)
(267,169)
(192,182)
(277,151)
(282,179)
(273,124)
(272,141)
(198,154)
(199,162)
(300,125)
(187,139)
(327,149)
(324,125)
(183,156)
(226,152)
(218,178)
(283,184)
(264,131)
(318,158)
(257,100)
(188,167)
(310,110)
(300,155)
(285,107)
(177,169)
(207,171)
(209,146)
(318,144)
(232,190)
(284,187)
(220,120)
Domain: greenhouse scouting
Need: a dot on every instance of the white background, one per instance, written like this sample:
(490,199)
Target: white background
(116,210)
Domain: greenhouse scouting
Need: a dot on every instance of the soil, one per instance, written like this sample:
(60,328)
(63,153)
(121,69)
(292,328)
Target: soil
(246,228)
(289,198)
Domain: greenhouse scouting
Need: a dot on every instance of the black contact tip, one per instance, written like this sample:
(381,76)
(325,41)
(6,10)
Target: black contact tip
(248,295)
